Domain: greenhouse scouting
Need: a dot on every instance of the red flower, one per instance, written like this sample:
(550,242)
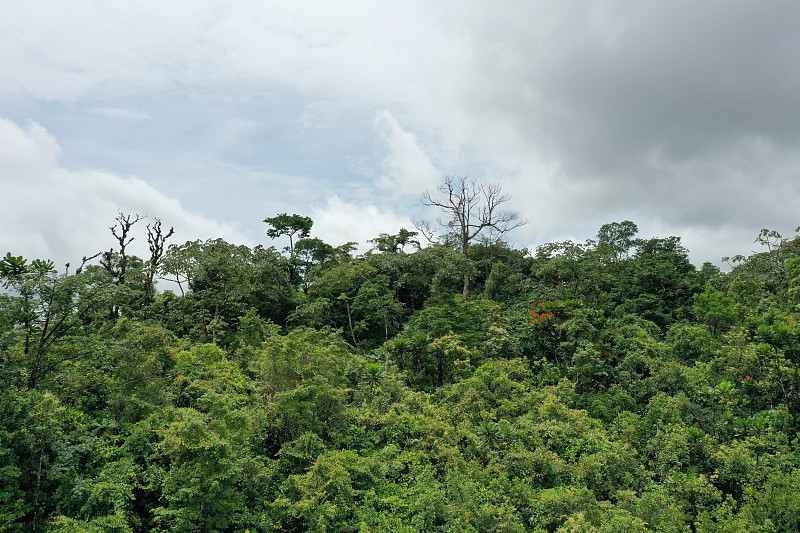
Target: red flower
(541,304)
(748,378)
(543,317)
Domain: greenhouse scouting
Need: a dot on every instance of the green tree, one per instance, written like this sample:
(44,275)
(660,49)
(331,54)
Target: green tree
(205,443)
(45,309)
(289,225)
(393,244)
(412,276)
(617,239)
(314,256)
(659,283)
(715,309)
(380,313)
(223,281)
(336,289)
(140,362)
(564,268)
(302,378)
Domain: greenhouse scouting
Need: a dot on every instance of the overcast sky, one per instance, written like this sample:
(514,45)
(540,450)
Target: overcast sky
(682,116)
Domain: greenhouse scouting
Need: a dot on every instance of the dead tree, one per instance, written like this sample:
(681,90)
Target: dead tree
(469,209)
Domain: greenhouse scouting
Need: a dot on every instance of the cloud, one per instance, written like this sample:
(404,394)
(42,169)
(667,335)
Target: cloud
(675,115)
(340,221)
(407,169)
(71,52)
(55,213)
(601,114)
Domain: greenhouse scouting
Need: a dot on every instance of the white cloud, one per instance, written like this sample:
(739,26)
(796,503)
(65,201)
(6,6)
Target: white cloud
(51,212)
(407,169)
(339,221)
(30,151)
(63,51)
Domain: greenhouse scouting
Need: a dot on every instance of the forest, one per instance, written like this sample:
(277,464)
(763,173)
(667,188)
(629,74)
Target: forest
(443,382)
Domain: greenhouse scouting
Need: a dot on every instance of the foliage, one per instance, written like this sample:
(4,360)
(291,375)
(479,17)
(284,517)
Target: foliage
(600,386)
(289,225)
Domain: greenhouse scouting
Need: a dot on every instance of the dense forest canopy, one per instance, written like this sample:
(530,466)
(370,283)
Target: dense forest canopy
(606,385)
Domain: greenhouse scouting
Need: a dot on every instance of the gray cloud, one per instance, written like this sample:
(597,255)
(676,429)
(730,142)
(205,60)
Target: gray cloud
(678,113)
(684,78)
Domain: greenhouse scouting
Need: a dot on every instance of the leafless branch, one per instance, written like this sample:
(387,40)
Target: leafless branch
(469,209)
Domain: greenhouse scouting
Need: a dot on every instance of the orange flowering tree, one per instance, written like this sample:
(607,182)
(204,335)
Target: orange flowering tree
(550,338)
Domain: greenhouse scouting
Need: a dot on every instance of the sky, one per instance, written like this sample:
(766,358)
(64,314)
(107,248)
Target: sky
(681,116)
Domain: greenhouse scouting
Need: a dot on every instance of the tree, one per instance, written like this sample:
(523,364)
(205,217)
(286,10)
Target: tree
(617,238)
(715,309)
(44,308)
(205,443)
(156,239)
(471,209)
(289,225)
(118,264)
(659,284)
(309,253)
(395,243)
(224,282)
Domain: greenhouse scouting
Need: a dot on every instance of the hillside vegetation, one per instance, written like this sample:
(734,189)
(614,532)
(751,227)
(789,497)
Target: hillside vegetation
(608,386)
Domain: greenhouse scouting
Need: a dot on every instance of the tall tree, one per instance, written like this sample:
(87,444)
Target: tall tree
(617,238)
(470,209)
(289,225)
(118,263)
(156,239)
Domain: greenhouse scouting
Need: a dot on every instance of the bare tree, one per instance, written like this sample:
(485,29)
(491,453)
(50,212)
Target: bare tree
(116,263)
(470,209)
(156,239)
